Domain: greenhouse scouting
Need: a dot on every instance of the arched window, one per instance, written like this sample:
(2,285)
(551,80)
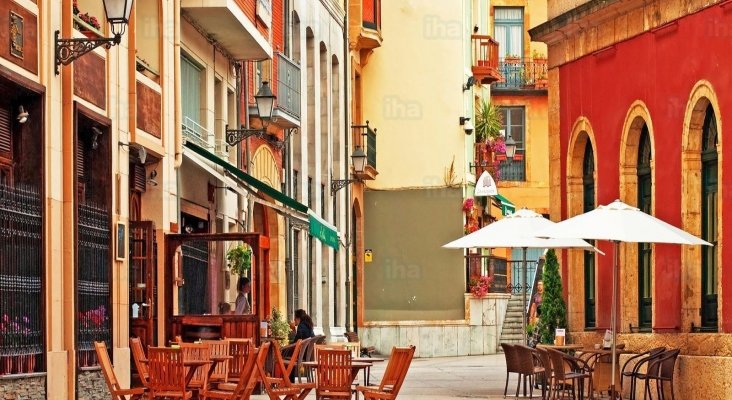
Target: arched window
(709,219)
(645,197)
(588,204)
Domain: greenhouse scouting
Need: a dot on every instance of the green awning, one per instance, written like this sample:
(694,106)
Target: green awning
(325,232)
(319,228)
(506,206)
(248,179)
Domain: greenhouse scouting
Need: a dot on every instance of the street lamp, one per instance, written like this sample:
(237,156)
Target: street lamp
(358,158)
(510,147)
(265,105)
(118,16)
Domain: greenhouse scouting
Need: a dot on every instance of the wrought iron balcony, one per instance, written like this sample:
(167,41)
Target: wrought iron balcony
(477,265)
(288,86)
(522,74)
(512,170)
(485,59)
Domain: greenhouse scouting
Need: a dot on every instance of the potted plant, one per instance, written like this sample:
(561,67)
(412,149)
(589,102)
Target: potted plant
(512,59)
(280,328)
(239,259)
(480,286)
(539,58)
(527,78)
(541,81)
(553,309)
(488,122)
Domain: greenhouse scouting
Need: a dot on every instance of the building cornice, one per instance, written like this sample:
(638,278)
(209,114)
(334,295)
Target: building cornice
(335,11)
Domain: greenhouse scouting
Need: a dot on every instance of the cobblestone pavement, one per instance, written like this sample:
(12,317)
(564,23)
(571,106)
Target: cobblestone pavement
(475,377)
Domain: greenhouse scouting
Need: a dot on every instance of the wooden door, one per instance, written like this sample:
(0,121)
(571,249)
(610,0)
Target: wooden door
(143,264)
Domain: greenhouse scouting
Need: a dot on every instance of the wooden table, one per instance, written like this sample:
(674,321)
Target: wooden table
(356,366)
(565,347)
(193,366)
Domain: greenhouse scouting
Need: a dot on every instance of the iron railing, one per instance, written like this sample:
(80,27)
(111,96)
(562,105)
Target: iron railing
(516,285)
(93,282)
(485,58)
(196,133)
(288,86)
(522,74)
(372,14)
(477,265)
(21,271)
(193,298)
(512,170)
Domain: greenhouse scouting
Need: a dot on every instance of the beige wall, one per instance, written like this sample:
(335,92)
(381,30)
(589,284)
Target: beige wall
(414,95)
(558,7)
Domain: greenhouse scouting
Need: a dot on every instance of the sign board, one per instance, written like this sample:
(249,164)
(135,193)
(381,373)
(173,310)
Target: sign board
(485,186)
(368,256)
(323,232)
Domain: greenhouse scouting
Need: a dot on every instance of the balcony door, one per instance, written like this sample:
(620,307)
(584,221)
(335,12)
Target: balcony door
(645,199)
(588,199)
(709,221)
(509,31)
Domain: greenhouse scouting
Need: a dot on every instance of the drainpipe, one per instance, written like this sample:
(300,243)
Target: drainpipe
(178,139)
(349,207)
(247,159)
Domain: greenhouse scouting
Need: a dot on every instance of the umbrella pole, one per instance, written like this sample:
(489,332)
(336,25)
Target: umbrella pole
(525,288)
(613,314)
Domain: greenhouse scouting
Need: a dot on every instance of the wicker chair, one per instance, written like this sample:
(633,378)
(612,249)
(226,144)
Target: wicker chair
(661,370)
(634,370)
(546,362)
(579,371)
(529,364)
(512,364)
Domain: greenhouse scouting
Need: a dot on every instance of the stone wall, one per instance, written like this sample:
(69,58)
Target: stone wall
(478,334)
(91,386)
(701,368)
(27,388)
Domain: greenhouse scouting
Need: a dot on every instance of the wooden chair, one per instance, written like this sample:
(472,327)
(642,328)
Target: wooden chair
(280,388)
(286,369)
(391,382)
(239,349)
(335,374)
(220,372)
(366,351)
(167,374)
(114,387)
(247,382)
(197,352)
(138,355)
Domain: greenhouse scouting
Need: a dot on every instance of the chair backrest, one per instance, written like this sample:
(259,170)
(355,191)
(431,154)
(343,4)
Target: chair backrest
(219,348)
(663,366)
(248,378)
(557,358)
(525,359)
(280,362)
(267,380)
(197,352)
(167,372)
(509,352)
(546,360)
(334,370)
(107,369)
(352,337)
(239,349)
(396,369)
(138,355)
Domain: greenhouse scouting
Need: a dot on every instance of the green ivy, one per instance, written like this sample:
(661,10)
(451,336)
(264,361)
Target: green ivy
(239,259)
(553,309)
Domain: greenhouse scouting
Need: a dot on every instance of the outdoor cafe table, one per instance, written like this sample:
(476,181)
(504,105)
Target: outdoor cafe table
(601,370)
(565,347)
(356,366)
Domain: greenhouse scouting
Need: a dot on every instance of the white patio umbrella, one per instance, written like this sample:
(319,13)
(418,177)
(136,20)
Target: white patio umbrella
(517,230)
(619,222)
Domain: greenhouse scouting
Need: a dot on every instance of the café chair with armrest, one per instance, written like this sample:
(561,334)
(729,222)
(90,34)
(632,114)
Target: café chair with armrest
(138,355)
(247,382)
(109,376)
(633,371)
(167,374)
(279,388)
(394,375)
(335,374)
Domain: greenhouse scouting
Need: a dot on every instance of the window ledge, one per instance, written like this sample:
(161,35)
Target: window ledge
(22,376)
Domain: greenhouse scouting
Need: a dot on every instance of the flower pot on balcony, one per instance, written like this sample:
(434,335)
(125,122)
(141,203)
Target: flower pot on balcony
(512,60)
(501,157)
(518,157)
(542,83)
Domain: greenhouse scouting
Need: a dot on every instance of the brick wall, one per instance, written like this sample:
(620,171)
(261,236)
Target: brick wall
(23,388)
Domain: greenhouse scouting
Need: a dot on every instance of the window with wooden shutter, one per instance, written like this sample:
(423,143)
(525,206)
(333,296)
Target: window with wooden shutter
(137,178)
(6,135)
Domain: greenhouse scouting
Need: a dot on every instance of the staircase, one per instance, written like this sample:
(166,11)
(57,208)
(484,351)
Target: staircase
(512,331)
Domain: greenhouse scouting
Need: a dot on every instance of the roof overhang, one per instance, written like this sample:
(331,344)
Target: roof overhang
(226,22)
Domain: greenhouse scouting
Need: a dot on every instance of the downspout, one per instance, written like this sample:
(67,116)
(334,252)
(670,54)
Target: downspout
(238,66)
(178,119)
(347,134)
(247,157)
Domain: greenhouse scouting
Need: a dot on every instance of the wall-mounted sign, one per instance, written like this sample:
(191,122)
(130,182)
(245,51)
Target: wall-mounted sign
(16,35)
(264,11)
(368,256)
(485,186)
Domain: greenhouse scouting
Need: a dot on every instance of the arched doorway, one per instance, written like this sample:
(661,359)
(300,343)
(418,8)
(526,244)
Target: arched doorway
(588,204)
(645,200)
(709,208)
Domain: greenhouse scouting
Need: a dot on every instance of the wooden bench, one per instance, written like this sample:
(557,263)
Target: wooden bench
(365,350)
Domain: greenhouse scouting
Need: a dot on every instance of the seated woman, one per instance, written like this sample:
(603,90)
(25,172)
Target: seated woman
(302,326)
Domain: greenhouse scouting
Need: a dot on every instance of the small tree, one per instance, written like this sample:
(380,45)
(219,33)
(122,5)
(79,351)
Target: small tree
(553,309)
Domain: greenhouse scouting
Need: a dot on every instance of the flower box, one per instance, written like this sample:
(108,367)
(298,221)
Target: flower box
(518,157)
(501,157)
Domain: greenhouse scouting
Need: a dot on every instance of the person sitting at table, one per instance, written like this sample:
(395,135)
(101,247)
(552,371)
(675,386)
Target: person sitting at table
(242,303)
(302,326)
